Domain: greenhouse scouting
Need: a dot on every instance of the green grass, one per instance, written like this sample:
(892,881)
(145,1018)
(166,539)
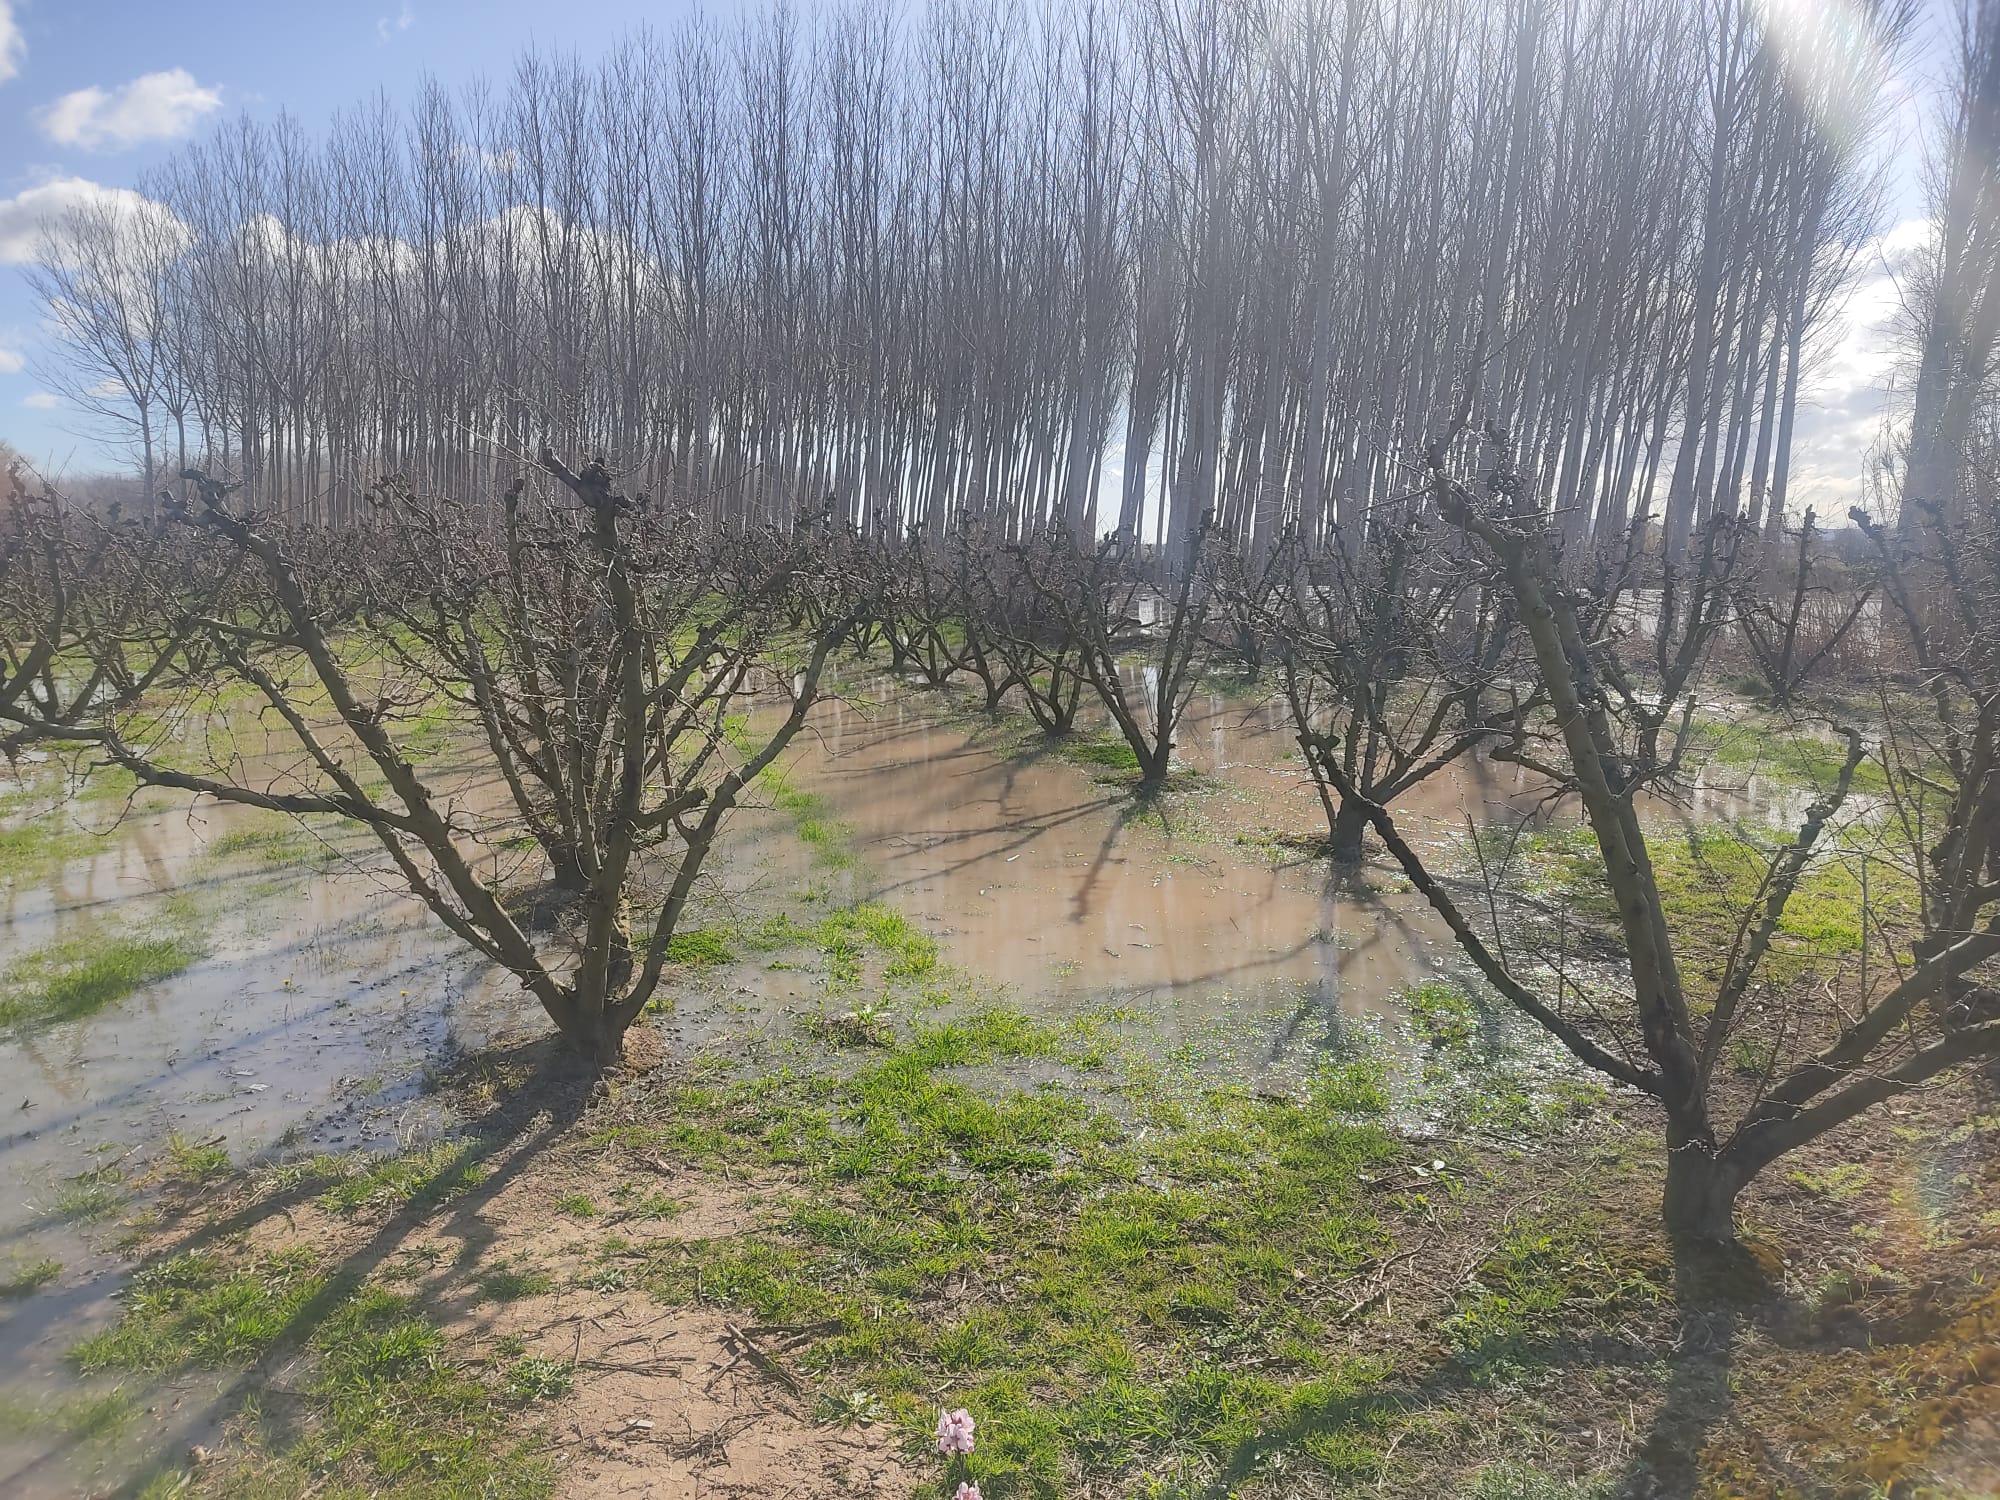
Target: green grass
(1519,1293)
(1121,1271)
(1708,877)
(1099,752)
(515,1283)
(26,1280)
(1840,1183)
(634,1202)
(424,735)
(198,1309)
(76,977)
(847,936)
(700,947)
(386,1408)
(433,1173)
(195,1161)
(89,1201)
(830,840)
(1152,1256)
(534,1378)
(1512,1481)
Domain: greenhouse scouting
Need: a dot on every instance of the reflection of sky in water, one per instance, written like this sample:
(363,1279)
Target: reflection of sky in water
(324,997)
(315,1010)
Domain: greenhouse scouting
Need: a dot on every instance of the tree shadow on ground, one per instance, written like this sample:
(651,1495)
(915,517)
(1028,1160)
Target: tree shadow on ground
(1715,1289)
(1714,1294)
(547,1090)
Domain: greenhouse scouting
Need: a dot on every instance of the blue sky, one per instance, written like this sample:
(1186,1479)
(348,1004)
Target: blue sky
(96,91)
(310,59)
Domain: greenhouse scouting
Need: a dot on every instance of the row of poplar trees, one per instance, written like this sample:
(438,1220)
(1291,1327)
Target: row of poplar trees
(1124,264)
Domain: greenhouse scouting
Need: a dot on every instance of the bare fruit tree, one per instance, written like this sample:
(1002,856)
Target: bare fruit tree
(628,673)
(1139,633)
(1393,658)
(1620,696)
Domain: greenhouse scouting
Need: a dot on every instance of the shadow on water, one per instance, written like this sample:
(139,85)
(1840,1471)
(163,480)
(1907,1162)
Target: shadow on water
(554,1088)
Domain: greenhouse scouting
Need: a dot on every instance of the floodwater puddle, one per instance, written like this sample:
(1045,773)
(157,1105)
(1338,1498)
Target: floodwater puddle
(1070,893)
(313,999)
(317,997)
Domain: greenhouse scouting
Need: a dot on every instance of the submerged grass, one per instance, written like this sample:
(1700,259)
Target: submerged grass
(276,847)
(29,849)
(25,1280)
(1774,745)
(78,976)
(85,1419)
(851,940)
(830,841)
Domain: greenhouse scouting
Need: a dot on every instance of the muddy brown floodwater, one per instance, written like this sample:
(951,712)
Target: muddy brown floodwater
(324,994)
(1033,875)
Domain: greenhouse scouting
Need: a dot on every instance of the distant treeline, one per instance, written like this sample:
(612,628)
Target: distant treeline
(1126,264)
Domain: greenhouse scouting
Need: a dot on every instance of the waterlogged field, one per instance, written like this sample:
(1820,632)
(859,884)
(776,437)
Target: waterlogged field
(1183,1164)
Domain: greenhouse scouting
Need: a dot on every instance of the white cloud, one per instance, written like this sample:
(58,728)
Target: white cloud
(500,163)
(13,46)
(41,401)
(158,106)
(29,215)
(389,26)
(12,361)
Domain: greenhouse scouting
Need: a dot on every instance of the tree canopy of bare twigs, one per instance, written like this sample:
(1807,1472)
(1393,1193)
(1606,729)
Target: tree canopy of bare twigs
(622,671)
(1120,266)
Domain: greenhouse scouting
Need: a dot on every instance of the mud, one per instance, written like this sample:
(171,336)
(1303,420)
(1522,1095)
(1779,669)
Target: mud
(326,997)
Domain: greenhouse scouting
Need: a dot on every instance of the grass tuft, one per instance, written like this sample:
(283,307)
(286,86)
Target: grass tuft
(28,1279)
(79,976)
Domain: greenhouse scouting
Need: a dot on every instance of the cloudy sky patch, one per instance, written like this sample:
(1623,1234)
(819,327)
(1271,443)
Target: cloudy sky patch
(155,107)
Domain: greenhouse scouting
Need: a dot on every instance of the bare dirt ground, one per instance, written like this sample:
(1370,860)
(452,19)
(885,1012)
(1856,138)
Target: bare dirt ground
(669,1403)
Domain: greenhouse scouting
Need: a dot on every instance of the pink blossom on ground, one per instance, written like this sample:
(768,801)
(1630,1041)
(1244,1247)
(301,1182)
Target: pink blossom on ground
(954,1432)
(967,1492)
